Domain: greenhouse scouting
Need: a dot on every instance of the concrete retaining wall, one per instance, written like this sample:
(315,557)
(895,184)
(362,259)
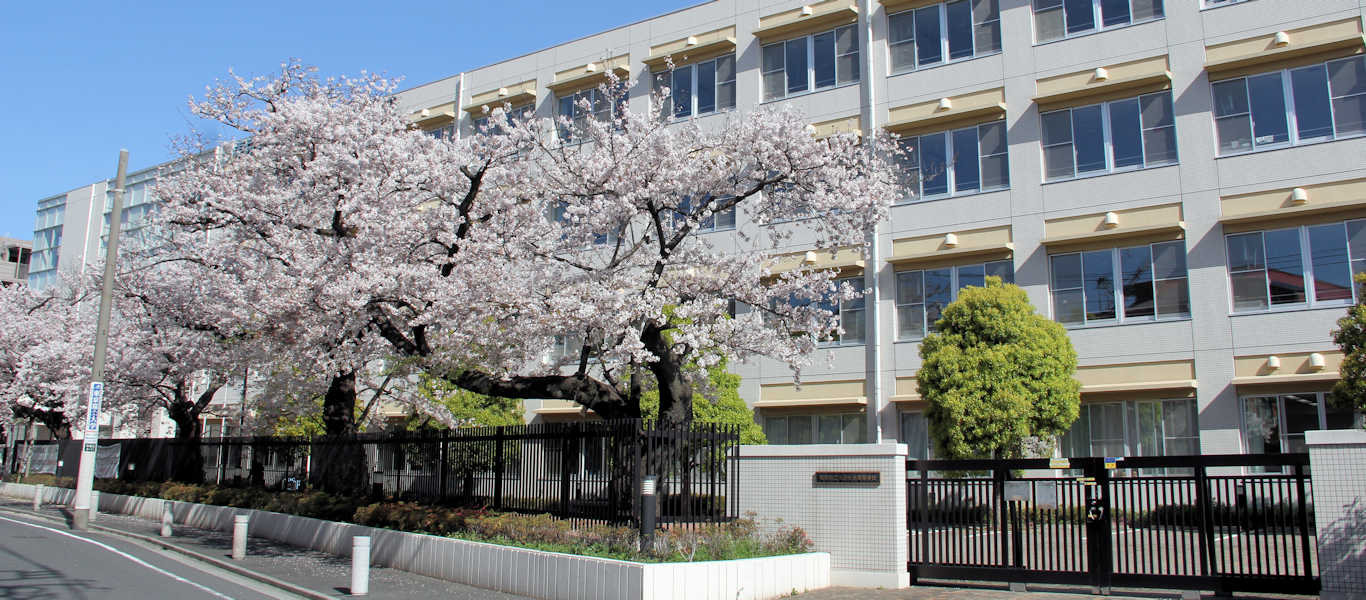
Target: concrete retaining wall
(547,575)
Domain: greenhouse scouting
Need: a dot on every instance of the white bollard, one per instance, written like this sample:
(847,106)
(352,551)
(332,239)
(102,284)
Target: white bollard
(94,505)
(37,496)
(239,536)
(166,518)
(360,565)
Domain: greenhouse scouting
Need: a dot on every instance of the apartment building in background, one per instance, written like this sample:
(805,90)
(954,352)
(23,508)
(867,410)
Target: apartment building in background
(15,256)
(1178,182)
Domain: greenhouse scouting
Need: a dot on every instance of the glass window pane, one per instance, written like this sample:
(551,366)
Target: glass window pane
(1235,134)
(938,294)
(928,42)
(1147,9)
(1284,270)
(1261,425)
(1268,109)
(1173,298)
(706,87)
(1179,418)
(1125,137)
(1313,117)
(1356,242)
(774,77)
(799,429)
(1048,22)
(910,320)
(1114,12)
(846,51)
(1088,138)
(725,68)
(1159,146)
(901,40)
(971,275)
(1157,110)
(1249,290)
(1099,272)
(1301,414)
(1138,282)
(1066,271)
(1339,415)
(824,59)
(915,434)
(959,29)
(830,428)
(1076,443)
(795,65)
(1347,77)
(1069,307)
(1057,127)
(995,172)
(1080,15)
(1245,252)
(986,14)
(1230,98)
(682,91)
(775,429)
(966,175)
(1058,161)
(1169,260)
(934,174)
(992,138)
(1350,115)
(1328,260)
(854,326)
(1003,269)
(854,431)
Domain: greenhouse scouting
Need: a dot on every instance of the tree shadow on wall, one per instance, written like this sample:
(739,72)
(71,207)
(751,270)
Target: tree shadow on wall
(1342,548)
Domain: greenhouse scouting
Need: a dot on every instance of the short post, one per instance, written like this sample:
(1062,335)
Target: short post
(647,513)
(94,505)
(239,536)
(166,518)
(37,496)
(360,565)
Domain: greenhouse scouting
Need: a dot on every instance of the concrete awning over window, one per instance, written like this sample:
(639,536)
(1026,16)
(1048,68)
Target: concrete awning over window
(516,94)
(811,18)
(691,49)
(1284,49)
(816,393)
(1109,82)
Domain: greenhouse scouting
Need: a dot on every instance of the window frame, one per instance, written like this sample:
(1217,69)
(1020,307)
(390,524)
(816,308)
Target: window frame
(1310,282)
(810,41)
(945,57)
(955,287)
(950,170)
(1131,436)
(1117,291)
(840,310)
(666,78)
(614,105)
(1097,20)
(1282,434)
(859,418)
(1290,121)
(1107,139)
(521,111)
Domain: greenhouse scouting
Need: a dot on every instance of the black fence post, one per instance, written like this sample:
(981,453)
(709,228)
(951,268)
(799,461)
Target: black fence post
(1302,501)
(565,464)
(442,466)
(1202,504)
(498,440)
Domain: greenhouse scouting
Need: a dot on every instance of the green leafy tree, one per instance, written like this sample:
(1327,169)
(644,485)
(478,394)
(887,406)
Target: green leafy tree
(462,408)
(996,373)
(724,407)
(1350,336)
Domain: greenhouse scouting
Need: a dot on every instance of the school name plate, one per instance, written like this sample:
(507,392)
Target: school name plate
(855,477)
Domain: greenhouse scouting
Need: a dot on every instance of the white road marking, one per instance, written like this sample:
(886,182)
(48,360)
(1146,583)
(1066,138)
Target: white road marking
(123,554)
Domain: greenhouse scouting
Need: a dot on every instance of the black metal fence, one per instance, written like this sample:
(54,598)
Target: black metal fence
(587,471)
(1224,523)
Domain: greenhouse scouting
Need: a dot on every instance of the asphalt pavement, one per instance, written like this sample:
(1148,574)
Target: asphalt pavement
(270,570)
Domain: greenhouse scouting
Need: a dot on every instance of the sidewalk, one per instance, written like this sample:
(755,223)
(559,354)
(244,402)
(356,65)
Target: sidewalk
(303,572)
(987,591)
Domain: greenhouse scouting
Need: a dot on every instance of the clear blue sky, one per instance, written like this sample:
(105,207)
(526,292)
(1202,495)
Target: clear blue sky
(84,79)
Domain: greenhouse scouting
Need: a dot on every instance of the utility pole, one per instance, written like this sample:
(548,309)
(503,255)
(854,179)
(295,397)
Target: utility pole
(85,477)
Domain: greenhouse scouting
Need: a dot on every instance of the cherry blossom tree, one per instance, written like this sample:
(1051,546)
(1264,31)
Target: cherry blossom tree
(347,237)
(46,350)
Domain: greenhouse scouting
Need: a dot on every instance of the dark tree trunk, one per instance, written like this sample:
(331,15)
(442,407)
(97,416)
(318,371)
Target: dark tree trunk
(338,464)
(188,462)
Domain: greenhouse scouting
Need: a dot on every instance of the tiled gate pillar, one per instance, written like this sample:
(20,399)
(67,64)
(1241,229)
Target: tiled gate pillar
(829,491)
(1337,464)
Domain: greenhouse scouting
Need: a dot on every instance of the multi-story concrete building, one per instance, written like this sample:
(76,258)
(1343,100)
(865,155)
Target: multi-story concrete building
(1176,181)
(15,256)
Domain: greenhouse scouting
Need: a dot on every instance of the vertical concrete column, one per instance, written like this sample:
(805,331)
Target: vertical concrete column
(849,498)
(166,518)
(94,505)
(239,536)
(1337,464)
(37,496)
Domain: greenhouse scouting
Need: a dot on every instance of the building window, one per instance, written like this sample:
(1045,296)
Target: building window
(1151,285)
(1135,428)
(915,433)
(1217,3)
(1270,269)
(962,161)
(809,63)
(922,295)
(1275,424)
(487,122)
(698,89)
(599,105)
(943,32)
(816,429)
(1113,136)
(1057,19)
(1296,106)
(716,221)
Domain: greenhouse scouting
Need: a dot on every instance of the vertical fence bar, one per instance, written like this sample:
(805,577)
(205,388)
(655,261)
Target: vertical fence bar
(1302,515)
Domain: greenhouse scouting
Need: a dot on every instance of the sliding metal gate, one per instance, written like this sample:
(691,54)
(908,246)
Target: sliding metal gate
(1223,523)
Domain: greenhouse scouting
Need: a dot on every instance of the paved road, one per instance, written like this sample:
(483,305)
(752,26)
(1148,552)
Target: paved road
(40,560)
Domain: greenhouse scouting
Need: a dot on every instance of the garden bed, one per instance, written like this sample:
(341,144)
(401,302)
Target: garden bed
(519,570)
